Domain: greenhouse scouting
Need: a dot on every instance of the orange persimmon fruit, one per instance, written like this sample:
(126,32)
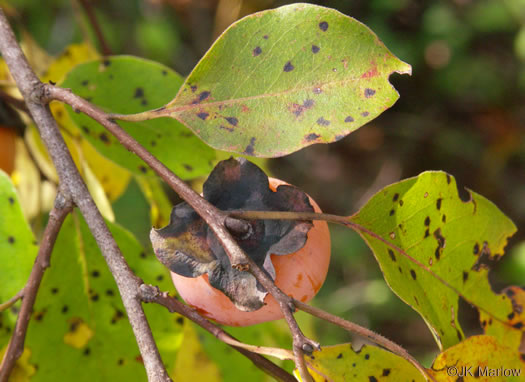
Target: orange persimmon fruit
(299,275)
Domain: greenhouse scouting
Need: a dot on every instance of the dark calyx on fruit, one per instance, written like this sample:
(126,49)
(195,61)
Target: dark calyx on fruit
(188,247)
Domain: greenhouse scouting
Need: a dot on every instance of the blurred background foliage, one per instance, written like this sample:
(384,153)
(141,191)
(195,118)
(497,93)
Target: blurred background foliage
(462,111)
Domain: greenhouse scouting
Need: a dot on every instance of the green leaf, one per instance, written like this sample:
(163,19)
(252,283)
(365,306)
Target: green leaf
(124,84)
(425,218)
(79,317)
(17,252)
(370,363)
(479,358)
(279,80)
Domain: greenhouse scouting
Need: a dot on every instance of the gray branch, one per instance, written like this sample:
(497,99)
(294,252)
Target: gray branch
(128,284)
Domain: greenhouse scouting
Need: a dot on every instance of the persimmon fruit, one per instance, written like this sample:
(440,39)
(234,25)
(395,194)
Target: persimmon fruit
(299,275)
(7,148)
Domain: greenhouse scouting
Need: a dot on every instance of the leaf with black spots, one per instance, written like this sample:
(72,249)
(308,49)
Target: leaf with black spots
(79,315)
(188,247)
(479,358)
(125,84)
(510,332)
(266,63)
(112,178)
(18,250)
(369,363)
(448,240)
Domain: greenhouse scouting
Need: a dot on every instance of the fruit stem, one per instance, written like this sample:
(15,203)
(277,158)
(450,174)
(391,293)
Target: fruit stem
(239,228)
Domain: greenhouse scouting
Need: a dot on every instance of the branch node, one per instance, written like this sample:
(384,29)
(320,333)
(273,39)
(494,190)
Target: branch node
(148,293)
(63,200)
(40,94)
(308,348)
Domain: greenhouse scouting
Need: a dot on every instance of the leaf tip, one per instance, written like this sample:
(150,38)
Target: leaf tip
(403,68)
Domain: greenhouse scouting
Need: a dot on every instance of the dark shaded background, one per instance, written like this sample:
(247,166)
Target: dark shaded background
(462,111)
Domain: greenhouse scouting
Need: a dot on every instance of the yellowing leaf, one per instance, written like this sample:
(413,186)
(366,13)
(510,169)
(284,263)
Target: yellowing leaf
(98,194)
(160,205)
(99,172)
(73,55)
(192,363)
(26,179)
(481,359)
(113,178)
(512,331)
(370,363)
(23,369)
(39,153)
(5,77)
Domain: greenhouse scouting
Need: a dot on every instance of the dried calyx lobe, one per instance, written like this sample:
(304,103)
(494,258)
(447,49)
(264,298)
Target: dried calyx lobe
(188,247)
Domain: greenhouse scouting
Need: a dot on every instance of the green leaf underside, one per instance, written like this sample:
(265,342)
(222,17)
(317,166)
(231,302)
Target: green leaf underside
(17,252)
(280,80)
(79,320)
(425,217)
(125,84)
(370,363)
(479,358)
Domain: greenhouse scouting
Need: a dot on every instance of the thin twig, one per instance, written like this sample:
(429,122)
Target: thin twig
(128,284)
(264,350)
(301,344)
(214,217)
(87,6)
(153,294)
(63,206)
(363,332)
(9,303)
